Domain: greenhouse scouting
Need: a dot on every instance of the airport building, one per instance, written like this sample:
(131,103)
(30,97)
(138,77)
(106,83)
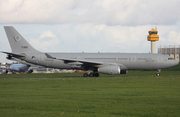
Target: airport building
(171,50)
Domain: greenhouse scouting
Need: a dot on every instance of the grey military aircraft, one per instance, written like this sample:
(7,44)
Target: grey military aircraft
(95,63)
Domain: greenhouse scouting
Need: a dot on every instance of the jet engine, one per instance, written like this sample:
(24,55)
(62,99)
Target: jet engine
(124,71)
(109,69)
(5,71)
(30,71)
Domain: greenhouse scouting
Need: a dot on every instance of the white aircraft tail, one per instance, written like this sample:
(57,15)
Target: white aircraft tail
(17,42)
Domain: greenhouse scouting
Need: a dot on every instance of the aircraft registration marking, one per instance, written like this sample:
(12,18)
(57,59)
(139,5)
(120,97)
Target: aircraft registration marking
(24,47)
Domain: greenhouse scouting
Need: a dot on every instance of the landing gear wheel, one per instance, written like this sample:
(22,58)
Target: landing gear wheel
(96,75)
(158,74)
(85,75)
(91,75)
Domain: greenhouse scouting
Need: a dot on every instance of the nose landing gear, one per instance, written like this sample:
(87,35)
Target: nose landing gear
(158,72)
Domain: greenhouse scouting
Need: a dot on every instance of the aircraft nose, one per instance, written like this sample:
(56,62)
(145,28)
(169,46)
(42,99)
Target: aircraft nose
(177,62)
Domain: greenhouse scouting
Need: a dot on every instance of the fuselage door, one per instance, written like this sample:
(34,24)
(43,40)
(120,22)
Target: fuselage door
(133,58)
(160,59)
(41,57)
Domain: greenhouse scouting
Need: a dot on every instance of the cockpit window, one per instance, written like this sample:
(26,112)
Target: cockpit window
(170,58)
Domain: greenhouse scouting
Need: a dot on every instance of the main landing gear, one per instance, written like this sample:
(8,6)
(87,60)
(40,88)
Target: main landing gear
(91,75)
(158,72)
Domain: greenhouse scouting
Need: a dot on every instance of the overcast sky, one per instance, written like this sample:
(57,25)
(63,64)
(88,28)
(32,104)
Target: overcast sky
(90,25)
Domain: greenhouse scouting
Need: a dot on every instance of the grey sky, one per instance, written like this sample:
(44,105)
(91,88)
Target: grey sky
(91,25)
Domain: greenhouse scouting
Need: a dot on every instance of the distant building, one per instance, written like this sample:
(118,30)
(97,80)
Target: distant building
(171,50)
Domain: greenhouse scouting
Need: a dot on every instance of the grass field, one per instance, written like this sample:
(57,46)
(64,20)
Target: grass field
(138,93)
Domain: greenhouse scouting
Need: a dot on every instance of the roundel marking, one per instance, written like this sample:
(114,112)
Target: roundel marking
(18,38)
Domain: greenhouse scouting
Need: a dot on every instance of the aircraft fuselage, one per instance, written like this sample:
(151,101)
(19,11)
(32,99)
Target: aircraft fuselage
(146,61)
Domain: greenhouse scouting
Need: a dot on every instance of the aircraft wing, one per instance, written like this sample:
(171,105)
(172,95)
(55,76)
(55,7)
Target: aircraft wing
(85,62)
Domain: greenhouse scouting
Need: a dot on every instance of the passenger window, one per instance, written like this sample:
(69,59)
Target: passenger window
(33,57)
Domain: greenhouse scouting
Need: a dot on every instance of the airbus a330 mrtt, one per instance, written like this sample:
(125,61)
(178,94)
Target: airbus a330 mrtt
(107,63)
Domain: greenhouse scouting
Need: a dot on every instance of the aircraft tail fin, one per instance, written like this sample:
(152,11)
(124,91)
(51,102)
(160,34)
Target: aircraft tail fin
(17,42)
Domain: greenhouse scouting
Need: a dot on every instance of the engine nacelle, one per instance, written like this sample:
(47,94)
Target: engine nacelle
(30,71)
(109,69)
(5,71)
(124,71)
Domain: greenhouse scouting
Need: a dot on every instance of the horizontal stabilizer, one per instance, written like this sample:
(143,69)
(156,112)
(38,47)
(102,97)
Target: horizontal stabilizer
(14,55)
